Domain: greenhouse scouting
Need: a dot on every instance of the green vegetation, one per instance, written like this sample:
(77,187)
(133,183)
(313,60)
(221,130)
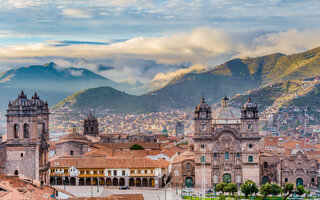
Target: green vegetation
(249,187)
(136,147)
(273,81)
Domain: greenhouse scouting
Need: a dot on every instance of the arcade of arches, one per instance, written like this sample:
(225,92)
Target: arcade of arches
(132,182)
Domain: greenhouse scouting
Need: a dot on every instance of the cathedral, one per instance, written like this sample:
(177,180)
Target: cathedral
(227,147)
(226,143)
(27,137)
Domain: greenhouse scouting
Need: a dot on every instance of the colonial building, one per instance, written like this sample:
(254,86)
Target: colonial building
(90,126)
(27,136)
(226,144)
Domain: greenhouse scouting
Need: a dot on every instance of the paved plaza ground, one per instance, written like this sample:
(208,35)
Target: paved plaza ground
(149,194)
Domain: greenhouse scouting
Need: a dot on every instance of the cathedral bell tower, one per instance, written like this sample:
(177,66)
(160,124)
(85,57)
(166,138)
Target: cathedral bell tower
(202,119)
(27,136)
(250,119)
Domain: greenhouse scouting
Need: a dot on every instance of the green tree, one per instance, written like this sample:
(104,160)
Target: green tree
(275,189)
(300,190)
(220,187)
(136,147)
(249,187)
(231,188)
(288,190)
(265,190)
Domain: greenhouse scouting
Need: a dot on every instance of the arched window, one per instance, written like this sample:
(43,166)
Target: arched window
(226,155)
(71,152)
(265,165)
(16,130)
(25,130)
(203,159)
(238,155)
(91,128)
(21,155)
(250,159)
(215,155)
(202,146)
(188,166)
(312,180)
(286,180)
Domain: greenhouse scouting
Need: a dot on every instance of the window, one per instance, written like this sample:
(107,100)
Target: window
(94,172)
(188,166)
(203,159)
(114,172)
(25,130)
(88,172)
(101,172)
(249,126)
(250,146)
(139,172)
(265,165)
(132,171)
(71,152)
(238,155)
(87,129)
(109,172)
(202,146)
(151,171)
(215,155)
(16,130)
(250,159)
(91,128)
(203,127)
(312,180)
(21,155)
(286,180)
(123,172)
(226,155)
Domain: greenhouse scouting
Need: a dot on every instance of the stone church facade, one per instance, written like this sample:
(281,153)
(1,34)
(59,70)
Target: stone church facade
(227,147)
(27,136)
(226,144)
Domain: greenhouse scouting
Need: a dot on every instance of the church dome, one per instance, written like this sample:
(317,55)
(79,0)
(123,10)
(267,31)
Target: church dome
(249,106)
(202,106)
(226,114)
(91,117)
(35,100)
(22,100)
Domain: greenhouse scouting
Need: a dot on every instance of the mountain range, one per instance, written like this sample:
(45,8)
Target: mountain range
(54,83)
(237,77)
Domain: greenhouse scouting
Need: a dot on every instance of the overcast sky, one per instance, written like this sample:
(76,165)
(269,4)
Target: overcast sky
(152,39)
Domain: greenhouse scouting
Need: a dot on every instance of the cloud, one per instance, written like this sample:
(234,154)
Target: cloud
(159,59)
(161,79)
(76,72)
(77,13)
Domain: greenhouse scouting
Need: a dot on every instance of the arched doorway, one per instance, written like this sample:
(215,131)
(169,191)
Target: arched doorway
(66,181)
(299,181)
(189,182)
(81,181)
(72,181)
(131,182)
(88,181)
(265,180)
(115,182)
(94,181)
(101,181)
(108,181)
(16,173)
(52,181)
(121,182)
(59,181)
(144,182)
(138,182)
(151,182)
(226,178)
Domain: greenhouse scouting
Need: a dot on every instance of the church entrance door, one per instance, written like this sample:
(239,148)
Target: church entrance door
(299,182)
(265,180)
(189,182)
(226,178)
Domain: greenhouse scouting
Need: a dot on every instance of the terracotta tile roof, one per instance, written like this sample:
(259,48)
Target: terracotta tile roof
(99,152)
(91,162)
(271,141)
(63,162)
(169,152)
(187,155)
(127,145)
